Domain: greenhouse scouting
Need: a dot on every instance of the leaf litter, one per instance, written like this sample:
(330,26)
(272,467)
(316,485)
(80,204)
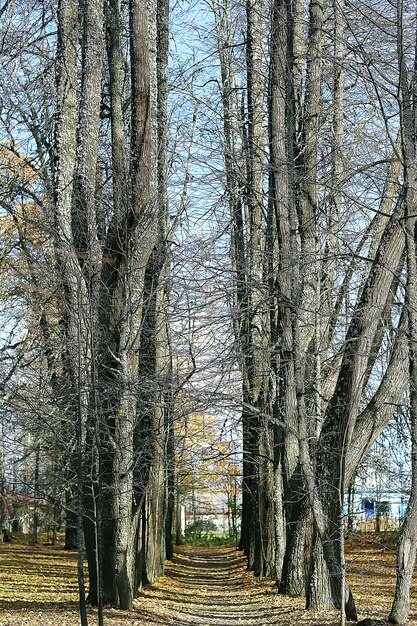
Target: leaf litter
(201,586)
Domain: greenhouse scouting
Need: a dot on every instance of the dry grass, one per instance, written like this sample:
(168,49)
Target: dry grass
(202,586)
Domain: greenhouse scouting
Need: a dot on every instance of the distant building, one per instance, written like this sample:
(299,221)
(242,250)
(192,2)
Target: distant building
(376,509)
(213,506)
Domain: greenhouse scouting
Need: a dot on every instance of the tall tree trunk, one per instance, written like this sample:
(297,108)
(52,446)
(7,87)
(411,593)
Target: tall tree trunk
(105,291)
(86,241)
(138,238)
(70,522)
(282,251)
(407,542)
(257,322)
(64,164)
(35,530)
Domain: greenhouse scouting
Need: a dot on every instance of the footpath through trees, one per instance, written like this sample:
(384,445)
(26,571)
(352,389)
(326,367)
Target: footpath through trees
(212,586)
(201,587)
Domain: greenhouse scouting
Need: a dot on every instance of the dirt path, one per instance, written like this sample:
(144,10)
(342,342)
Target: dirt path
(201,587)
(212,587)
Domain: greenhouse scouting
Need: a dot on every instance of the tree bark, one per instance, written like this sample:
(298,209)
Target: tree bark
(407,542)
(103,266)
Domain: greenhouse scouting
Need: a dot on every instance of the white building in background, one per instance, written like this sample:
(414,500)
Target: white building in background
(210,506)
(381,487)
(385,509)
(376,504)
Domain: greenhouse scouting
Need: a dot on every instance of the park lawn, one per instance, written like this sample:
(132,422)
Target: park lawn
(38,586)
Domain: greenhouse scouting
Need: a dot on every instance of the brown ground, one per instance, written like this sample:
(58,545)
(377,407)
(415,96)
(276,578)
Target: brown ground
(202,587)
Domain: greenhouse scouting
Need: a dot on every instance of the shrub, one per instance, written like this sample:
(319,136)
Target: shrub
(200,526)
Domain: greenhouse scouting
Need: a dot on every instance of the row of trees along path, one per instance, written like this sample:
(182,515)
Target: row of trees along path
(213,586)
(314,123)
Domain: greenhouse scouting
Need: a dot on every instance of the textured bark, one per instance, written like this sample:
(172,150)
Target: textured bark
(84,218)
(309,294)
(335,197)
(75,319)
(103,265)
(295,566)
(266,505)
(164,357)
(256,353)
(120,167)
(283,247)
(319,591)
(88,248)
(256,322)
(139,239)
(279,517)
(150,437)
(170,495)
(407,542)
(297,325)
(70,527)
(245,197)
(156,327)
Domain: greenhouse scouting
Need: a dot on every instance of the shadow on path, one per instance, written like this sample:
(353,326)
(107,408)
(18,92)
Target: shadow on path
(207,587)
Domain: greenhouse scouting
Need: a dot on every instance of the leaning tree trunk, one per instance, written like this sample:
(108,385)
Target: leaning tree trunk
(407,543)
(305,328)
(341,416)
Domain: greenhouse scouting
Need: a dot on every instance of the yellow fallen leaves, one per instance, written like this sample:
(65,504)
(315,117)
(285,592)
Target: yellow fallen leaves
(202,587)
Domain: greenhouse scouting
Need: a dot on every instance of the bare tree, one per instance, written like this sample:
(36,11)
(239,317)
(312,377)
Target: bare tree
(407,544)
(111,266)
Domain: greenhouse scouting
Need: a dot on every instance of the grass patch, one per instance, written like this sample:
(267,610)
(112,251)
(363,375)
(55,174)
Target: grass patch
(210,540)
